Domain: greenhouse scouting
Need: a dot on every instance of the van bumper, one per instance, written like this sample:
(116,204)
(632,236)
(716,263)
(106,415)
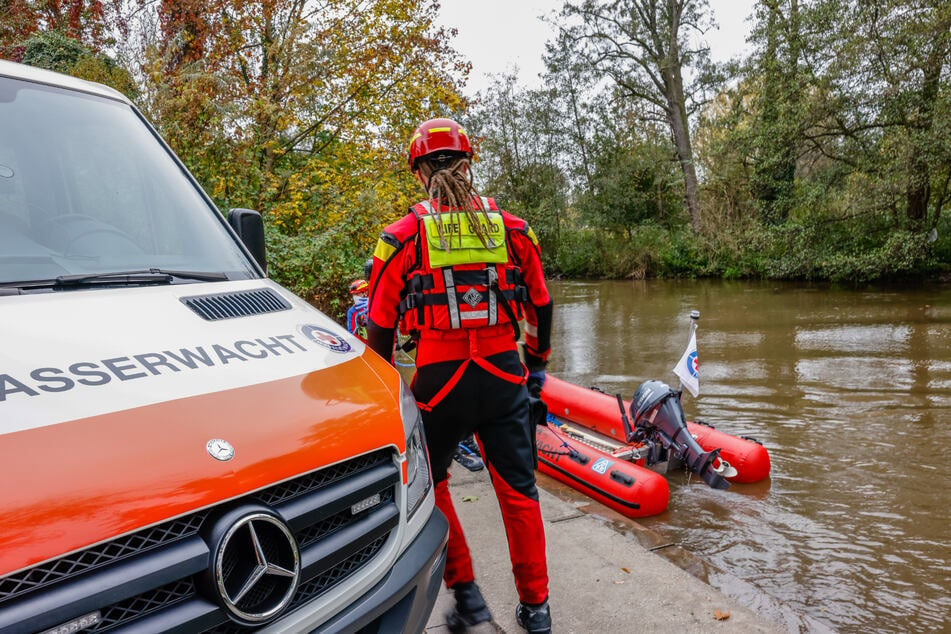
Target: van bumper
(403,600)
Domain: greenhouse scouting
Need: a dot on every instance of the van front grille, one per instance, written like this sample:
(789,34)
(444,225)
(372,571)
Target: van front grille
(63,569)
(152,576)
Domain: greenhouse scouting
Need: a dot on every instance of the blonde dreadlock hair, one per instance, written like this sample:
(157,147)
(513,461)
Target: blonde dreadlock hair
(450,185)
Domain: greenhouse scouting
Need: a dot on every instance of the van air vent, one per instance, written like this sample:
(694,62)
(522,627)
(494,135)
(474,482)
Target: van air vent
(237,304)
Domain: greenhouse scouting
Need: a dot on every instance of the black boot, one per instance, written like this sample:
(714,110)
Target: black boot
(536,619)
(470,608)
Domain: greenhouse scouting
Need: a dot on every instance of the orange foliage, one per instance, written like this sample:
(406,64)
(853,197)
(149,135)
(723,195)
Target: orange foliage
(314,100)
(93,23)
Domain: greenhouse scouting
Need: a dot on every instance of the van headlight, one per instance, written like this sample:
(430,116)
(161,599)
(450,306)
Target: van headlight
(418,479)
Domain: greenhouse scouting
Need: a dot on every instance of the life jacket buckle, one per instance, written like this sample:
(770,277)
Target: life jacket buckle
(407,303)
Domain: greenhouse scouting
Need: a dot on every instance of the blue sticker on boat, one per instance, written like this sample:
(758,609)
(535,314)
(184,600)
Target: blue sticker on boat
(601,465)
(324,338)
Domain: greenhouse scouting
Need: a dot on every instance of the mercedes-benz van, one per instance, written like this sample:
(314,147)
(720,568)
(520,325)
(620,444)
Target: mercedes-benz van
(184,444)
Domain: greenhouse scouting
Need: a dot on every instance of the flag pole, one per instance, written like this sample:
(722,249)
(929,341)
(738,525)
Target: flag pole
(694,318)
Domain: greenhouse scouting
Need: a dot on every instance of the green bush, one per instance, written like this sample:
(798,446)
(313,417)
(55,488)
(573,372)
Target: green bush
(319,267)
(593,254)
(576,255)
(58,52)
(827,249)
(859,249)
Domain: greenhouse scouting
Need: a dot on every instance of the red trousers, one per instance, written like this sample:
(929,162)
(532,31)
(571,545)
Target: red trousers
(497,411)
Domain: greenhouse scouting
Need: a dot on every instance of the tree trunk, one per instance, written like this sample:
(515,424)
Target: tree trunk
(677,114)
(681,132)
(918,192)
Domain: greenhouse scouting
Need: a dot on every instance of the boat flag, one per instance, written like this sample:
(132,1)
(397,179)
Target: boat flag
(688,368)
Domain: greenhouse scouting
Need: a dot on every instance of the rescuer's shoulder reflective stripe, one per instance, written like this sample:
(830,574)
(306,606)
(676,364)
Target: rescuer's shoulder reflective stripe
(531,235)
(386,246)
(514,223)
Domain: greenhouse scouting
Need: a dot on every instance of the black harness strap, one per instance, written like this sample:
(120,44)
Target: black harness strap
(508,310)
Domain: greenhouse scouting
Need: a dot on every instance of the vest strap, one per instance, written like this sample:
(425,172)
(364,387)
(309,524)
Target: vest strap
(453,303)
(493,317)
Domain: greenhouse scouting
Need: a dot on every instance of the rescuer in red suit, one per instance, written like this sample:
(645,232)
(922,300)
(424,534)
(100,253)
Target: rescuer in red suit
(458,274)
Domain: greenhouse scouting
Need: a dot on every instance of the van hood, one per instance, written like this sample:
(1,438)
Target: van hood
(112,403)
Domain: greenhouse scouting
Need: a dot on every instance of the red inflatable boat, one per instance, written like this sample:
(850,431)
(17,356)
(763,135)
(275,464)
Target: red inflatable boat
(624,486)
(586,410)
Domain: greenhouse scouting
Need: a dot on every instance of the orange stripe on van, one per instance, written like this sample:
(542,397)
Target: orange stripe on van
(75,484)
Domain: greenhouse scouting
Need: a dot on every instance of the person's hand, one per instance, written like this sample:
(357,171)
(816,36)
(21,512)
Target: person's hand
(535,382)
(536,371)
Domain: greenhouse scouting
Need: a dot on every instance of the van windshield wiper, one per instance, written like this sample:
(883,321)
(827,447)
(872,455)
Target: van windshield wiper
(145,276)
(115,278)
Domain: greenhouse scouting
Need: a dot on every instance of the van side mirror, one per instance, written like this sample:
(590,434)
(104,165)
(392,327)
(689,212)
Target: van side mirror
(249,226)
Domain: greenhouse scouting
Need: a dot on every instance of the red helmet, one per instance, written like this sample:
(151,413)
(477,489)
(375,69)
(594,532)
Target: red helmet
(437,135)
(359,286)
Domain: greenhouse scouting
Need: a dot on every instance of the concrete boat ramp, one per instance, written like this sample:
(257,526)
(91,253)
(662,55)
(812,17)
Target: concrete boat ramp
(601,579)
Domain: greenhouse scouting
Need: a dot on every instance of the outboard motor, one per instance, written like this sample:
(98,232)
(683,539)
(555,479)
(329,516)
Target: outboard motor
(659,418)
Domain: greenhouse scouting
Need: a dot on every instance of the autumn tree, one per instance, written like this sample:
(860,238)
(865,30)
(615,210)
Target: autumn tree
(185,29)
(95,24)
(20,20)
(646,48)
(294,82)
(302,109)
(89,22)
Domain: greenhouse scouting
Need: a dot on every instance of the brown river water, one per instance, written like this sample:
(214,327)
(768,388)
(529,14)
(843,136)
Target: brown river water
(850,392)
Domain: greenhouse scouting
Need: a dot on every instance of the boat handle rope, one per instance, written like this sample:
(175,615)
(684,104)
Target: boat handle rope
(571,453)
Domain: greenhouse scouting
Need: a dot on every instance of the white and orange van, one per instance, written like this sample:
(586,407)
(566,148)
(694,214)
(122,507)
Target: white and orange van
(184,444)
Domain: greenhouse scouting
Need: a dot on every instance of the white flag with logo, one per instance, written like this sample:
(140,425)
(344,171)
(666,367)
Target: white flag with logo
(688,368)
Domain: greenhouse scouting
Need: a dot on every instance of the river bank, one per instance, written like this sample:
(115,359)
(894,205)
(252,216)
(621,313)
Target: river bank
(601,579)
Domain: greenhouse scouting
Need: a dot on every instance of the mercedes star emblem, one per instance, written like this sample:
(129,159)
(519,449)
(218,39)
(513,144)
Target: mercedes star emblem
(257,568)
(220,449)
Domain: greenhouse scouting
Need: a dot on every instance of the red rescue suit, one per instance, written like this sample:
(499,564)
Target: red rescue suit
(462,304)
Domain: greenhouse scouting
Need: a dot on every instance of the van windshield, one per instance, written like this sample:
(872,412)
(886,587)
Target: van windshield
(86,188)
